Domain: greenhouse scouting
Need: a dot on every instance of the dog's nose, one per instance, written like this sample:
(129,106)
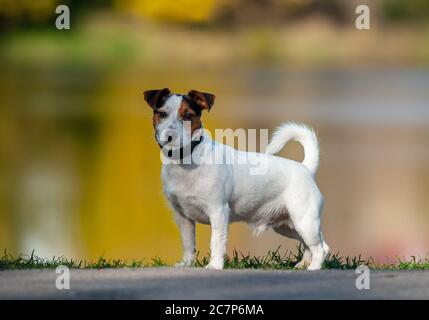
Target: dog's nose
(169,135)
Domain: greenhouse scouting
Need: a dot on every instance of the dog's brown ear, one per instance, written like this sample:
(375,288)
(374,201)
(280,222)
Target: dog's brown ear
(154,97)
(203,99)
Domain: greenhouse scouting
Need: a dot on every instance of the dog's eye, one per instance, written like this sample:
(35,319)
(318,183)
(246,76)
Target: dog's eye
(162,114)
(187,116)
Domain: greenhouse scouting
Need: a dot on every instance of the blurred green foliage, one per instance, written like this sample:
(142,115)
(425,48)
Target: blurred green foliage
(25,13)
(405,10)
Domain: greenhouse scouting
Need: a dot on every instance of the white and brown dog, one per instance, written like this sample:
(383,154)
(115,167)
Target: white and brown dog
(285,198)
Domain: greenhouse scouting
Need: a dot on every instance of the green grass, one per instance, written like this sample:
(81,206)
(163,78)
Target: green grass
(272,260)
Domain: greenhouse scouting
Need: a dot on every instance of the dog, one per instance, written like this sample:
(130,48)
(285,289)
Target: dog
(285,198)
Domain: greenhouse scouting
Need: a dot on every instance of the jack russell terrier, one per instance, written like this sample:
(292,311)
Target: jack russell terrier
(284,198)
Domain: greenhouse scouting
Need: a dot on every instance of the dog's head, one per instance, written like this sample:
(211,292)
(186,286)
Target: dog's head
(177,117)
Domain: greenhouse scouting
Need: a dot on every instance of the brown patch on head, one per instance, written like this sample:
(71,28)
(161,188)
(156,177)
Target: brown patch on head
(156,119)
(204,100)
(188,111)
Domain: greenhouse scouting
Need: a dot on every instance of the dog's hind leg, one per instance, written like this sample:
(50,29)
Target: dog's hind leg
(306,220)
(187,234)
(286,231)
(326,248)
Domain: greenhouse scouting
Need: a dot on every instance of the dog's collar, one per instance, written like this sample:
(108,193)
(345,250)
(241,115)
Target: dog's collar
(194,144)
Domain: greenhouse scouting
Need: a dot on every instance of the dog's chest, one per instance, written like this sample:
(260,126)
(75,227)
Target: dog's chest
(185,192)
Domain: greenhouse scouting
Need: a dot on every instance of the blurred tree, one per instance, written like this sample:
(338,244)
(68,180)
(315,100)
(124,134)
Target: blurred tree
(182,11)
(21,10)
(22,13)
(401,10)
(268,12)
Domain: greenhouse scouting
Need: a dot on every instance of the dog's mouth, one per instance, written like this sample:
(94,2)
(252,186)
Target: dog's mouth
(174,148)
(175,152)
(169,143)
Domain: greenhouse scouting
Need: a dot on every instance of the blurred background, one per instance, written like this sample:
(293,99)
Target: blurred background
(80,170)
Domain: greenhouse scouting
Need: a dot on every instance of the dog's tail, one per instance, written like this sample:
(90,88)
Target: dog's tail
(301,133)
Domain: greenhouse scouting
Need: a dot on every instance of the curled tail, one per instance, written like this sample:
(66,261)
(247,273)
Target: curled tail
(301,133)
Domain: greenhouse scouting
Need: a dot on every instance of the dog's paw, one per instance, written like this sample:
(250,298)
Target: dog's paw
(184,264)
(216,264)
(313,268)
(214,267)
(302,264)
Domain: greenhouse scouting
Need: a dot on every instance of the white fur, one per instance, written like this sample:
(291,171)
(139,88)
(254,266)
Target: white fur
(285,198)
(304,135)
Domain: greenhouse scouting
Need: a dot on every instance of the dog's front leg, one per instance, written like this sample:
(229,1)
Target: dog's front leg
(187,234)
(219,224)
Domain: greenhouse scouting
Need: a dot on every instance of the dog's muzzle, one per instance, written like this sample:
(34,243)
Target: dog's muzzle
(178,154)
